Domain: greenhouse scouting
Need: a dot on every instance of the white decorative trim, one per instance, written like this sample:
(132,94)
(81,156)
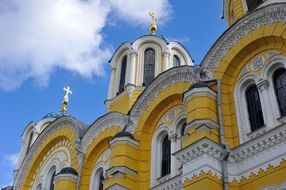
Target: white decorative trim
(123,140)
(206,156)
(199,91)
(275,187)
(120,169)
(174,183)
(258,154)
(109,120)
(275,13)
(156,151)
(249,158)
(116,187)
(201,156)
(141,57)
(57,157)
(257,63)
(241,106)
(202,122)
(182,52)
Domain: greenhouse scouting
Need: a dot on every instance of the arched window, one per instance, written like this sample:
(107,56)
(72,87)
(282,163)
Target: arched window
(97,179)
(166,156)
(122,74)
(30,142)
(149,66)
(100,181)
(183,129)
(279,79)
(254,108)
(252,4)
(39,187)
(51,177)
(176,61)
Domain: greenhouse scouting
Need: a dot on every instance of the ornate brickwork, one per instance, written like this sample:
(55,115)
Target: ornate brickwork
(258,19)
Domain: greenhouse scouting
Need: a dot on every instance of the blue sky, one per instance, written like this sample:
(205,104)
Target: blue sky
(48,45)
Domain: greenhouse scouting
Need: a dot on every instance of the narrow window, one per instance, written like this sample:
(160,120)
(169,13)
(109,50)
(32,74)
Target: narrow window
(183,129)
(166,156)
(176,61)
(254,108)
(30,142)
(52,186)
(149,66)
(39,187)
(252,4)
(279,79)
(122,74)
(100,181)
(50,178)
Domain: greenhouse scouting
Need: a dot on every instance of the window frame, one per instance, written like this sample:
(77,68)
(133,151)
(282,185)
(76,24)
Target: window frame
(122,75)
(145,76)
(283,71)
(251,119)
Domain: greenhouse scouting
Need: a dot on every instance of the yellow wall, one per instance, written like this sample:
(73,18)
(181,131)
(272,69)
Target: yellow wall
(271,37)
(65,184)
(124,102)
(62,134)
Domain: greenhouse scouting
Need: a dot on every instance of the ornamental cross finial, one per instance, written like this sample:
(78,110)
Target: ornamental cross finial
(65,102)
(154,18)
(68,91)
(153,26)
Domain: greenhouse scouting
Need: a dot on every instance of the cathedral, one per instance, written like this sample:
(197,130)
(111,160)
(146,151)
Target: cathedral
(170,124)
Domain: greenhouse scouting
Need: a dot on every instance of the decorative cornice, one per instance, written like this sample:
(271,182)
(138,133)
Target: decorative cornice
(174,183)
(275,187)
(120,169)
(123,140)
(117,187)
(245,160)
(255,20)
(202,122)
(199,148)
(109,120)
(163,81)
(259,144)
(49,130)
(198,92)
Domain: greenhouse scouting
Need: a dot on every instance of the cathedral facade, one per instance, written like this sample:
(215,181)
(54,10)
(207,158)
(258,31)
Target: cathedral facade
(219,125)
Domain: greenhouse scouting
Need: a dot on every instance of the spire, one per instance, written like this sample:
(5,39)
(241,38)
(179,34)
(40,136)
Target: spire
(65,102)
(153,25)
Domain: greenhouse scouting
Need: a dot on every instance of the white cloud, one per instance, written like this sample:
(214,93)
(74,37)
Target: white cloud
(37,37)
(11,159)
(136,12)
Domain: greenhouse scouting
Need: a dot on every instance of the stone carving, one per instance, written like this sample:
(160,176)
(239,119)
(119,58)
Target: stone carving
(274,187)
(257,63)
(255,20)
(171,115)
(271,54)
(108,120)
(169,78)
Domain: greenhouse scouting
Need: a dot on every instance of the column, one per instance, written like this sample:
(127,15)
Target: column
(111,84)
(131,70)
(267,107)
(173,139)
(166,59)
